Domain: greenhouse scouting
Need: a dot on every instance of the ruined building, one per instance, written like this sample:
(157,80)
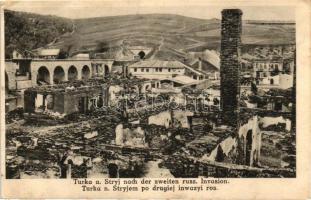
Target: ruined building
(64,100)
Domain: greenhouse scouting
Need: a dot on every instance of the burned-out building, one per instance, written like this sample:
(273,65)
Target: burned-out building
(64,100)
(60,100)
(26,72)
(233,147)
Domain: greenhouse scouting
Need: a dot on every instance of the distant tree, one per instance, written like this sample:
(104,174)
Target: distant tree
(92,54)
(26,31)
(102,47)
(63,54)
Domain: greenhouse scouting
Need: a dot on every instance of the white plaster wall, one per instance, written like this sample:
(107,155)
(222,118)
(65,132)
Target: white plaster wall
(161,119)
(10,69)
(252,124)
(286,81)
(181,116)
(113,90)
(267,121)
(227,145)
(119,135)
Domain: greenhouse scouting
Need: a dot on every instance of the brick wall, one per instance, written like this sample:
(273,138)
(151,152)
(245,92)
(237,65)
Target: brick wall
(231,29)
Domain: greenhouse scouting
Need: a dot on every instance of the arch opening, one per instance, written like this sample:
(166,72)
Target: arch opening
(72,73)
(141,54)
(59,75)
(271,81)
(113,170)
(147,87)
(248,150)
(220,156)
(86,72)
(99,102)
(106,72)
(43,76)
(135,89)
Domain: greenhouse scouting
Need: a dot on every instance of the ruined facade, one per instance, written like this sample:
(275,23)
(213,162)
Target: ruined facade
(64,101)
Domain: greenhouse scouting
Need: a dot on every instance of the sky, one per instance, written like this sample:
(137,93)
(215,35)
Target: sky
(192,8)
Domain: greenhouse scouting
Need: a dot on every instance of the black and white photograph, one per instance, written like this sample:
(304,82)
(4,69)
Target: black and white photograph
(101,91)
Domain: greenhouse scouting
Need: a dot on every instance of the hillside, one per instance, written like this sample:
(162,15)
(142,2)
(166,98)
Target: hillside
(170,36)
(26,31)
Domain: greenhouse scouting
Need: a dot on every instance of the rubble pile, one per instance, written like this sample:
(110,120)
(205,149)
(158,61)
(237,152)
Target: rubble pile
(14,115)
(278,150)
(81,138)
(183,166)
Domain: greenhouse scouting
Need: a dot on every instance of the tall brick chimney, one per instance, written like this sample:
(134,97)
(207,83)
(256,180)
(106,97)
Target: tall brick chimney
(231,29)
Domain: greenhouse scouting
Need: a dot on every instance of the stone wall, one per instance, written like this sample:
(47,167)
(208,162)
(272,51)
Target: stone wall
(103,68)
(249,142)
(10,70)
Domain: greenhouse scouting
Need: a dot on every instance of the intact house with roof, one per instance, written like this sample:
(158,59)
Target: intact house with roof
(172,74)
(48,53)
(272,72)
(159,69)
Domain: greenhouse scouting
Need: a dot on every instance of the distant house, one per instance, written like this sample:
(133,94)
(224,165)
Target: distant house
(157,69)
(265,69)
(207,68)
(18,55)
(286,81)
(48,53)
(82,56)
(246,66)
(274,72)
(22,55)
(289,65)
(178,81)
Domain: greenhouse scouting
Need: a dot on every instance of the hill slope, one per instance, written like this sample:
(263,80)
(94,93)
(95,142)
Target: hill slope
(26,31)
(170,36)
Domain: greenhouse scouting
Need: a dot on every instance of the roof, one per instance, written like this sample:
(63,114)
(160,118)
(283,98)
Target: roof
(139,47)
(182,79)
(208,55)
(158,63)
(82,55)
(274,59)
(49,52)
(206,66)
